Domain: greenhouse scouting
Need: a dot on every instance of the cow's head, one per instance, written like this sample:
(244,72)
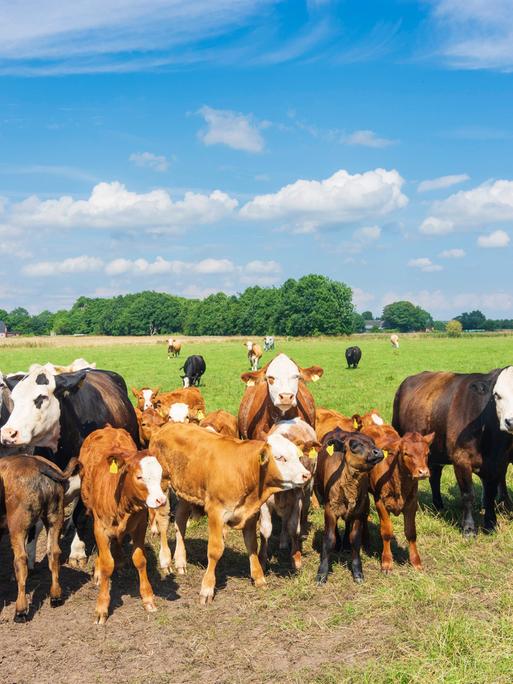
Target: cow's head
(503,397)
(35,417)
(248,345)
(414,452)
(179,413)
(145,397)
(282,376)
(360,452)
(291,471)
(142,474)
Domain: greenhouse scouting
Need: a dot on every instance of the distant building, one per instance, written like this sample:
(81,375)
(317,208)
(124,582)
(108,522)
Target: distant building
(375,323)
(3,329)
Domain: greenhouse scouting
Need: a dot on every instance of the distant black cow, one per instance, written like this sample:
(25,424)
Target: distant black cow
(193,369)
(472,416)
(353,356)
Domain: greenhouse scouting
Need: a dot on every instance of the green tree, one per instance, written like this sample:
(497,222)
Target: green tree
(454,328)
(367,316)
(475,320)
(406,317)
(19,321)
(359,323)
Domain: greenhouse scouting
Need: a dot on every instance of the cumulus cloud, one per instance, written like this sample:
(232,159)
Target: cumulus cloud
(442,182)
(499,238)
(437,301)
(455,253)
(435,226)
(341,198)
(236,130)
(424,264)
(156,162)
(80,264)
(111,206)
(367,138)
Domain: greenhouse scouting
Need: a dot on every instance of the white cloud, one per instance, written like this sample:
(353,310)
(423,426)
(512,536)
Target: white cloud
(262,267)
(361,298)
(367,138)
(499,238)
(236,130)
(214,266)
(455,253)
(441,303)
(156,162)
(424,264)
(111,206)
(442,182)
(435,226)
(13,249)
(80,264)
(489,202)
(341,198)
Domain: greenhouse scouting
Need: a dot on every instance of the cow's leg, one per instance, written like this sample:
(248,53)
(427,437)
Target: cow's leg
(250,539)
(55,522)
(489,493)
(410,532)
(355,538)
(215,551)
(137,532)
(328,543)
(18,540)
(305,508)
(266,528)
(103,573)
(434,481)
(161,523)
(182,514)
(34,533)
(503,497)
(77,554)
(294,531)
(386,529)
(463,471)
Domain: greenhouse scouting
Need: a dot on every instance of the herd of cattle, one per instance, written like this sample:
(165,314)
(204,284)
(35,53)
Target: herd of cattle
(71,436)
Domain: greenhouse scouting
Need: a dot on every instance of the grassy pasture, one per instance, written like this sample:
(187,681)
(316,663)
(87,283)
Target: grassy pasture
(452,623)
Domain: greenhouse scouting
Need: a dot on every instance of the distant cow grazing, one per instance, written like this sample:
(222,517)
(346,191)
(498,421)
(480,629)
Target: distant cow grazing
(268,343)
(193,369)
(119,484)
(254,354)
(32,489)
(342,485)
(394,341)
(472,417)
(353,356)
(276,392)
(173,347)
(229,480)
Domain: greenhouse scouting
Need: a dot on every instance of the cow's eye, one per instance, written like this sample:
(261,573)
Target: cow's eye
(496,396)
(270,379)
(279,458)
(38,401)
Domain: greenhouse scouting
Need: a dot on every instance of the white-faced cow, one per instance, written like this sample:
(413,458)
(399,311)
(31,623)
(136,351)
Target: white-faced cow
(254,354)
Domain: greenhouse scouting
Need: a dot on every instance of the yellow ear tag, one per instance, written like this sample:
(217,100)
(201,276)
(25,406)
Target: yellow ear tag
(250,383)
(331,449)
(385,453)
(355,424)
(113,468)
(315,378)
(200,415)
(312,453)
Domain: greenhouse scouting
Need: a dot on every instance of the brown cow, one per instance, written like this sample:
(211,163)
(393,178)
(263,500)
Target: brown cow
(293,505)
(472,417)
(229,480)
(152,397)
(341,485)
(173,347)
(276,392)
(394,484)
(32,488)
(119,484)
(222,422)
(327,420)
(149,421)
(254,354)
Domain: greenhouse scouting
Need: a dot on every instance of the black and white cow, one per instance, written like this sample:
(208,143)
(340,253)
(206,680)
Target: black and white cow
(193,369)
(353,356)
(55,413)
(268,343)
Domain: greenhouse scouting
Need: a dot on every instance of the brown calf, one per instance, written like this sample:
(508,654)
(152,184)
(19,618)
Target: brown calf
(31,489)
(149,422)
(341,485)
(222,422)
(327,420)
(119,484)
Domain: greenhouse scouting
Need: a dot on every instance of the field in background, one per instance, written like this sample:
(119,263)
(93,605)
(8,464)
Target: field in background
(452,623)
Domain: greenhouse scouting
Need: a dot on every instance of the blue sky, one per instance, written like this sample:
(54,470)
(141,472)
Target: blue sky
(196,147)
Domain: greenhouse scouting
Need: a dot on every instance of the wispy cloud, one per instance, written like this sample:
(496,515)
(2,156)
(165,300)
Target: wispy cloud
(455,253)
(156,162)
(499,238)
(424,264)
(442,182)
(367,138)
(233,129)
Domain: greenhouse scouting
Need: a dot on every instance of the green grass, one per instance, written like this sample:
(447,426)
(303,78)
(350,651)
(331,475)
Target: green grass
(450,624)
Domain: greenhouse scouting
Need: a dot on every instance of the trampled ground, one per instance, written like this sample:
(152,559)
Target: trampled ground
(452,623)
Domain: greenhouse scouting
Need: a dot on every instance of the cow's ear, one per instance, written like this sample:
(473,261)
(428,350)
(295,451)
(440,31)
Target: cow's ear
(69,382)
(429,438)
(12,380)
(250,379)
(357,421)
(312,448)
(480,387)
(263,456)
(311,374)
(155,391)
(116,462)
(335,444)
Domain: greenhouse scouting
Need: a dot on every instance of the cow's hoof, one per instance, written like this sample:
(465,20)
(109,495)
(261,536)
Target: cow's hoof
(181,571)
(358,578)
(101,619)
(469,532)
(150,607)
(55,602)
(260,582)
(206,597)
(321,579)
(167,570)
(21,617)
(386,569)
